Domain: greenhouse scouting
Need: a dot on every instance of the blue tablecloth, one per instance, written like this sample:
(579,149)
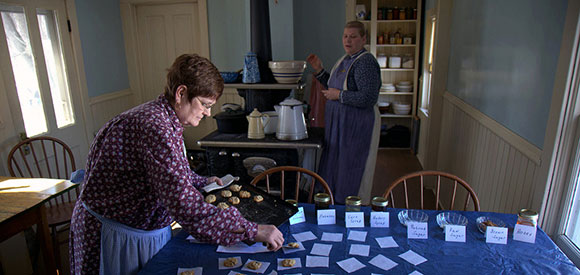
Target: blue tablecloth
(475,256)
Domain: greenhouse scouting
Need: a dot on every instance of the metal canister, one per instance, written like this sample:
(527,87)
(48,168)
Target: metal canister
(321,201)
(379,204)
(352,204)
(528,217)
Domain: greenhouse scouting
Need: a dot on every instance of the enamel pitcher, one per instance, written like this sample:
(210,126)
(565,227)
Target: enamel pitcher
(255,125)
(291,122)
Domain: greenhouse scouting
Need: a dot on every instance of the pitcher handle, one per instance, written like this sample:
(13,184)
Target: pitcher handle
(267,120)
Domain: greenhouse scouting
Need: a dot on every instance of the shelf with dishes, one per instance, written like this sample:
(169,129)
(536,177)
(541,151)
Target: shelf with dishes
(385,92)
(391,115)
(394,21)
(395,45)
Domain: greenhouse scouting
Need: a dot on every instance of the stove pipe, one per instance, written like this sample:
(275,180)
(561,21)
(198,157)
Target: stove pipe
(260,37)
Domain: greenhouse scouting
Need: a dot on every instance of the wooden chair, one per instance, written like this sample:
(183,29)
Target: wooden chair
(297,172)
(450,181)
(47,157)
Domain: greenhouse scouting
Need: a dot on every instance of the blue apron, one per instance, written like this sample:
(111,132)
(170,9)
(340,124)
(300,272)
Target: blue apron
(125,250)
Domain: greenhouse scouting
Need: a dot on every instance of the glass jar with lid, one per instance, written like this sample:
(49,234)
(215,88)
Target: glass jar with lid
(402,14)
(528,217)
(352,204)
(293,202)
(321,201)
(379,204)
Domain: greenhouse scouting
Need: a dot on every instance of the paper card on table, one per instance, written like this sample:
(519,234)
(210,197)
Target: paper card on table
(298,264)
(298,217)
(243,248)
(354,219)
(292,250)
(525,233)
(273,272)
(192,239)
(387,242)
(304,236)
(222,266)
(382,262)
(262,268)
(455,233)
(326,216)
(359,249)
(417,230)
(196,270)
(316,261)
(350,265)
(415,273)
(321,249)
(360,236)
(379,219)
(413,258)
(331,237)
(497,235)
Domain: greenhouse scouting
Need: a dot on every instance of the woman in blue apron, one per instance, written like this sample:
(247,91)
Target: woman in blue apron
(138,181)
(352,120)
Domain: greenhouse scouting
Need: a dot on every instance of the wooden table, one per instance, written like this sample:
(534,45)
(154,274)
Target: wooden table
(22,205)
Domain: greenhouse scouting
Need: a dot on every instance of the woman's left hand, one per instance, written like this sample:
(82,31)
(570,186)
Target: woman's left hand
(215,179)
(331,94)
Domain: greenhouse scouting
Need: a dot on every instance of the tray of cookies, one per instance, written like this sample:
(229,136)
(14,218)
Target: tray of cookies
(255,204)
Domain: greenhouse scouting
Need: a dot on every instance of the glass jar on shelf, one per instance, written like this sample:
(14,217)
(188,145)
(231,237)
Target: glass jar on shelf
(396,13)
(408,39)
(528,217)
(321,201)
(414,13)
(402,14)
(389,14)
(352,204)
(392,39)
(379,204)
(398,37)
(380,39)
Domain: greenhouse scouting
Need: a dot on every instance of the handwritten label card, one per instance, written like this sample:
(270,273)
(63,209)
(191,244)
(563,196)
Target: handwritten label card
(455,233)
(354,219)
(298,217)
(417,230)
(326,216)
(498,235)
(379,219)
(525,233)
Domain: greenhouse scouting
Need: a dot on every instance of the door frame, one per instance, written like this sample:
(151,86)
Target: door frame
(132,47)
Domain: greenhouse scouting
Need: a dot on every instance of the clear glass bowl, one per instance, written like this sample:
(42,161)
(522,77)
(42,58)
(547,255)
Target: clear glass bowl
(484,221)
(452,218)
(412,215)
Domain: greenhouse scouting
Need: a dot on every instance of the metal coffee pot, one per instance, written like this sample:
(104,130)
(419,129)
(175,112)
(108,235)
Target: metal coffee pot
(255,125)
(291,122)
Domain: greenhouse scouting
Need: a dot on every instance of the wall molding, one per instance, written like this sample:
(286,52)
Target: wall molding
(110,96)
(525,147)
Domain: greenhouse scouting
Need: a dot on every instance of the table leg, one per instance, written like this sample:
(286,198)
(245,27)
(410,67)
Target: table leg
(45,241)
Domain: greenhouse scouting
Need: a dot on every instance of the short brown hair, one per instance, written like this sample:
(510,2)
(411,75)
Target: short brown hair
(200,76)
(356,25)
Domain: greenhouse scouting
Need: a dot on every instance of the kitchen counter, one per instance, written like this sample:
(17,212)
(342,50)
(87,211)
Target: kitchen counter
(217,139)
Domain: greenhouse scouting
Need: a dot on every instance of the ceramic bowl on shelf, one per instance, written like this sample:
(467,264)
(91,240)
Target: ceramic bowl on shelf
(230,77)
(404,88)
(383,107)
(412,215)
(287,71)
(401,108)
(450,218)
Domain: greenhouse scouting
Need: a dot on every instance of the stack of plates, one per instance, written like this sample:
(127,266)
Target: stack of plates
(404,86)
(388,87)
(401,108)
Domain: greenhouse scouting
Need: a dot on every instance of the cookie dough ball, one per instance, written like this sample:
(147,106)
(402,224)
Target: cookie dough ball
(234,200)
(223,205)
(254,265)
(245,194)
(293,245)
(258,198)
(235,187)
(230,262)
(288,262)
(210,198)
(226,193)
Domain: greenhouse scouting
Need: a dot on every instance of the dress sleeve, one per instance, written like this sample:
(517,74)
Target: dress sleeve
(175,185)
(367,80)
(323,77)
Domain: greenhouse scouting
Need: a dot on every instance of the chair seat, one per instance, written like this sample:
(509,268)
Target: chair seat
(60,214)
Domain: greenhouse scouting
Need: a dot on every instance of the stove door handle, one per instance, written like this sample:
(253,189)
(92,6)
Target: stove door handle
(223,153)
(235,154)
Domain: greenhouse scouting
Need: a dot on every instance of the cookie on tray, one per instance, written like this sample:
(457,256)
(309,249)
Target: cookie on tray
(245,194)
(235,187)
(226,193)
(210,198)
(223,205)
(234,200)
(258,198)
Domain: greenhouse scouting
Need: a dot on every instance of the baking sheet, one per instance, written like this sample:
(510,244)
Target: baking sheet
(272,210)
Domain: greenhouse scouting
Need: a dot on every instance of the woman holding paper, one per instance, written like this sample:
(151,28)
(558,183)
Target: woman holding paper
(138,181)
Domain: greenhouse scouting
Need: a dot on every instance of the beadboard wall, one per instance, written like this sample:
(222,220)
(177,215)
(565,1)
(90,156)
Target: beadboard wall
(496,162)
(106,106)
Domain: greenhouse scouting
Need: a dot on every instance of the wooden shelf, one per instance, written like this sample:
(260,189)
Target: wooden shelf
(396,70)
(395,45)
(395,93)
(397,21)
(391,115)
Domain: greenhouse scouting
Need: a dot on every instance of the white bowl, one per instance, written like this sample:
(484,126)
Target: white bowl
(287,71)
(383,104)
(402,105)
(404,83)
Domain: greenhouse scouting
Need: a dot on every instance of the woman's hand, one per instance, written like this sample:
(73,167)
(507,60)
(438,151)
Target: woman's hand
(331,94)
(270,235)
(215,179)
(315,62)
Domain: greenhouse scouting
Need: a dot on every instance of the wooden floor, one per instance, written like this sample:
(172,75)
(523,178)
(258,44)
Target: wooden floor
(392,164)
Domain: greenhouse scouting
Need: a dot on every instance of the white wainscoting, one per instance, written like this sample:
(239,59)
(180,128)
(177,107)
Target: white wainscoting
(497,163)
(107,106)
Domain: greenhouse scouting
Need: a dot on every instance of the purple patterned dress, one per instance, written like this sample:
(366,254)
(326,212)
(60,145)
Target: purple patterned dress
(137,174)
